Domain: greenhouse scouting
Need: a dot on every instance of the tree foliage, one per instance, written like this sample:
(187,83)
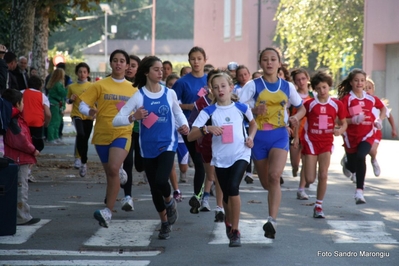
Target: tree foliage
(330,30)
(174,20)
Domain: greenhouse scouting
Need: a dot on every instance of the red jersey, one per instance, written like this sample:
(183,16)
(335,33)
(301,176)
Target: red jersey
(320,122)
(365,131)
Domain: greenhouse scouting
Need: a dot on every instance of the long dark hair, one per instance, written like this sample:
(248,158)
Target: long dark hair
(144,67)
(345,86)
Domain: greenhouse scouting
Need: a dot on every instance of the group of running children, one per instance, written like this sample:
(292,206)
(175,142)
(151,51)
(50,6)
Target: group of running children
(223,126)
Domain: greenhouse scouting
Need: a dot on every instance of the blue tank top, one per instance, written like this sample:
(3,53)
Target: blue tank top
(162,135)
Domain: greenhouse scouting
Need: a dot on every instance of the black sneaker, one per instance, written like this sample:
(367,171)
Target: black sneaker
(195,204)
(235,239)
(219,215)
(248,179)
(171,212)
(164,231)
(270,228)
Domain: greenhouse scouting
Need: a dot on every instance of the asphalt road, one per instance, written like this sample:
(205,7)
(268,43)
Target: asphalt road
(350,234)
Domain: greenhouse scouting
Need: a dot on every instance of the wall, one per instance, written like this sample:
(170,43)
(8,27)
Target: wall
(209,31)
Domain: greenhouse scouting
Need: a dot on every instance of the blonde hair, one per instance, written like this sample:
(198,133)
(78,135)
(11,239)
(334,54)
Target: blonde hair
(57,76)
(234,97)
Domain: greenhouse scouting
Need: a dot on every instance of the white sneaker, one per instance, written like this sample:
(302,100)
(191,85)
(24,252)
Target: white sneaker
(83,170)
(127,203)
(376,167)
(353,177)
(122,175)
(205,207)
(183,178)
(345,170)
(359,198)
(31,179)
(301,195)
(77,164)
(103,217)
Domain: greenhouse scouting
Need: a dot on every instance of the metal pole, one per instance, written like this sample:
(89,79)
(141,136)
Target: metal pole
(153,27)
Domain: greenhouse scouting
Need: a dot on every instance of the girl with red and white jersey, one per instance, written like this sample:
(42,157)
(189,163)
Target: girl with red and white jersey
(317,135)
(370,89)
(360,134)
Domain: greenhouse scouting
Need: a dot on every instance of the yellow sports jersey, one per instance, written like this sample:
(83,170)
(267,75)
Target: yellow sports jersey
(110,96)
(78,89)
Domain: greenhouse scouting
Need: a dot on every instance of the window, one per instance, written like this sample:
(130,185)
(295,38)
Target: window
(227,18)
(238,18)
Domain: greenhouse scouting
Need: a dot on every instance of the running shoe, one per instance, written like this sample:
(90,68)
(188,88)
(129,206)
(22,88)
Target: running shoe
(219,214)
(103,217)
(177,196)
(83,170)
(376,167)
(270,228)
(205,207)
(345,170)
(235,239)
(77,163)
(248,179)
(318,212)
(127,203)
(171,212)
(31,179)
(359,198)
(301,195)
(122,175)
(195,204)
(164,231)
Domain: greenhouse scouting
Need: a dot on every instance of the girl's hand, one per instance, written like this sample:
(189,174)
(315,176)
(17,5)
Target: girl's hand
(73,97)
(295,143)
(140,113)
(337,131)
(93,113)
(378,124)
(37,153)
(217,131)
(183,130)
(260,109)
(394,133)
(249,142)
(290,131)
(293,121)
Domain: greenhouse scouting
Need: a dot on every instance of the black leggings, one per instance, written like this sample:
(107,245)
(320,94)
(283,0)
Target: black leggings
(230,178)
(357,163)
(138,160)
(83,131)
(128,167)
(158,170)
(199,175)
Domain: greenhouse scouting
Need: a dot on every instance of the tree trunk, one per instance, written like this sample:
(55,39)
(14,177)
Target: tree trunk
(22,17)
(40,40)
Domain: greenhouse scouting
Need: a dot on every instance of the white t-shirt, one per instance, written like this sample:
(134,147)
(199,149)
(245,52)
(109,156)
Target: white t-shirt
(225,155)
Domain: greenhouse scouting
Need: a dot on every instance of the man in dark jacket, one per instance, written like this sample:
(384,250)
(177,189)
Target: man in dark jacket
(11,61)
(3,69)
(21,74)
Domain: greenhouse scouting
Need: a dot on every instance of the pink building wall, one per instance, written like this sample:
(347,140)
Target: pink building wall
(209,31)
(380,28)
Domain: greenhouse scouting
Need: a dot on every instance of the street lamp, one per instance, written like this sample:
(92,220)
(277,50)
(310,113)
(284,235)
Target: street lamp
(107,10)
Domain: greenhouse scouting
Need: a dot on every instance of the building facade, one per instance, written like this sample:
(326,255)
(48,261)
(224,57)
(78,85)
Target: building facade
(234,30)
(381,52)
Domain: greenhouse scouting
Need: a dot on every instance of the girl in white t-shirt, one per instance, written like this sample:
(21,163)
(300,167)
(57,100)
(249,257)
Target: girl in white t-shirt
(231,146)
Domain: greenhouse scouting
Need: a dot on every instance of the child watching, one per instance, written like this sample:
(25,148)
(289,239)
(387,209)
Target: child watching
(19,147)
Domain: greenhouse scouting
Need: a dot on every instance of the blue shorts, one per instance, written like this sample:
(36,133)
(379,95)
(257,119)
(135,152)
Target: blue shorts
(103,150)
(182,153)
(264,141)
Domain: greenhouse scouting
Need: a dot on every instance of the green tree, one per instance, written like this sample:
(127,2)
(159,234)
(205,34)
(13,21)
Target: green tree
(174,20)
(330,29)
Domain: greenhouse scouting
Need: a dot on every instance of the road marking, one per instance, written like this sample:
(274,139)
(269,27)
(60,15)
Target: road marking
(24,232)
(251,233)
(77,262)
(47,206)
(124,233)
(360,232)
(38,252)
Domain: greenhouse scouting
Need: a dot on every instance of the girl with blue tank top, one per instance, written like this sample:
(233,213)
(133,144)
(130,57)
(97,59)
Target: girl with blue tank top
(158,112)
